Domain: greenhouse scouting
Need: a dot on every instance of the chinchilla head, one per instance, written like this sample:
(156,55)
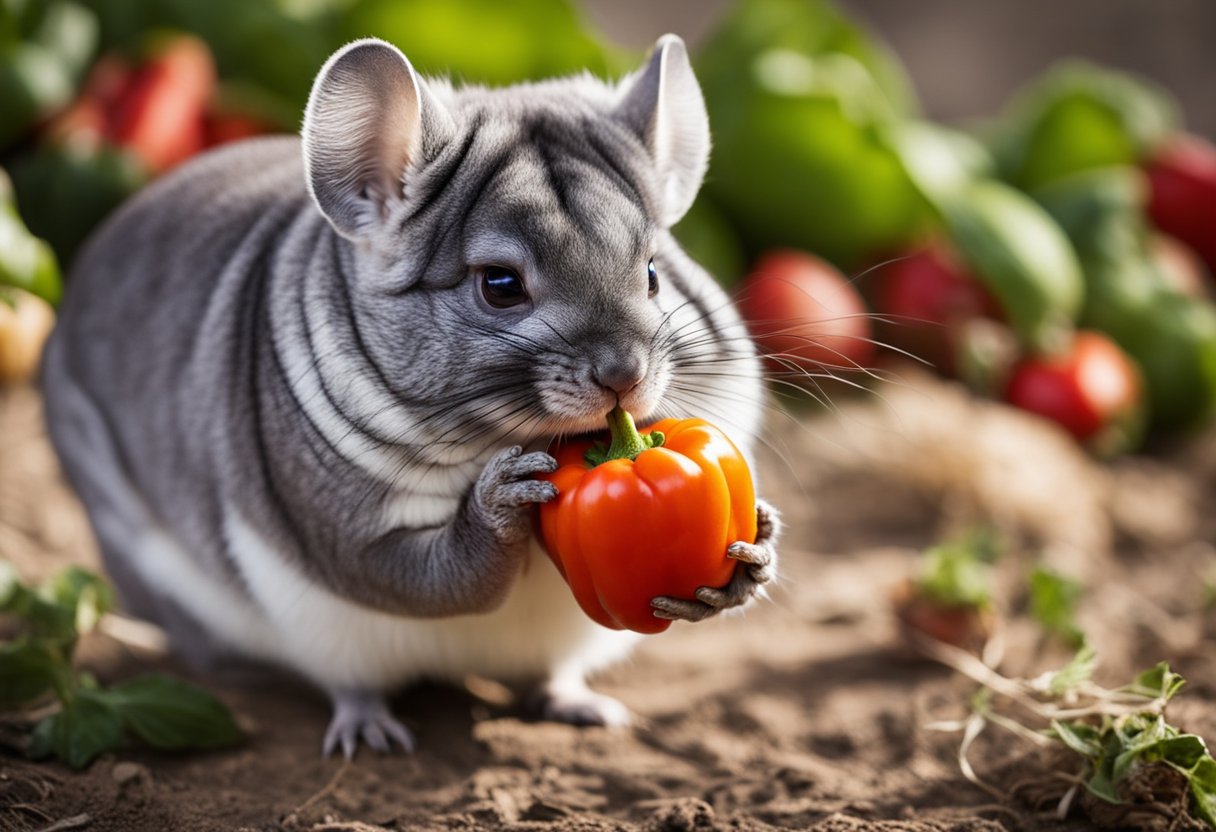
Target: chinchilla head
(508,253)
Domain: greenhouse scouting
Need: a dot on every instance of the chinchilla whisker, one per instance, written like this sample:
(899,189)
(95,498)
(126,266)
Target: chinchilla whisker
(696,402)
(667,320)
(788,359)
(710,335)
(446,406)
(515,340)
(875,267)
(558,333)
(496,417)
(475,423)
(711,393)
(520,426)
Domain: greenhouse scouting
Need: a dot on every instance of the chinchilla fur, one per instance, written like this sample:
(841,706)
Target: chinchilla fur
(304,431)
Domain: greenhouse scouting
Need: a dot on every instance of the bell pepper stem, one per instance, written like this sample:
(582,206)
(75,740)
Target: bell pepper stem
(626,442)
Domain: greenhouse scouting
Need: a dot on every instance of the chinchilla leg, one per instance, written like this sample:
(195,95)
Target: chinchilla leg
(363,714)
(566,698)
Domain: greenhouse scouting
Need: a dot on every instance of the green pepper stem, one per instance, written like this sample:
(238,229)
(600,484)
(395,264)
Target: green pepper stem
(626,442)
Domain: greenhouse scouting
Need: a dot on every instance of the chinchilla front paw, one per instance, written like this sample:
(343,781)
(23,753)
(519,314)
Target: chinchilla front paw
(758,566)
(507,488)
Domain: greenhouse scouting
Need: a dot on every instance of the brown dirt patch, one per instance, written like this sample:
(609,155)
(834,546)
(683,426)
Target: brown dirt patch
(805,713)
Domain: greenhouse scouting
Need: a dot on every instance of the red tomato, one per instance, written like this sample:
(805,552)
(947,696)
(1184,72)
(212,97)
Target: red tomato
(1182,195)
(801,311)
(160,114)
(87,120)
(924,297)
(1088,389)
(108,79)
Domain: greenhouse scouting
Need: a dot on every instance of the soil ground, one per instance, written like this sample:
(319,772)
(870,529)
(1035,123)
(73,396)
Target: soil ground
(807,712)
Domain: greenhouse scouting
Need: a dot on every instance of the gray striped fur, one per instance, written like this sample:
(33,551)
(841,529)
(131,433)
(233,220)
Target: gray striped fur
(289,348)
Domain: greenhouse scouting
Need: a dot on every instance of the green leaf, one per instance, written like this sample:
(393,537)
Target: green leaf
(26,262)
(11,588)
(1078,117)
(70,31)
(1184,750)
(957,574)
(87,727)
(1202,779)
(61,608)
(171,713)
(42,740)
(86,593)
(1081,738)
(1079,669)
(1020,254)
(1053,603)
(1157,682)
(29,669)
(938,160)
(1137,747)
(1100,784)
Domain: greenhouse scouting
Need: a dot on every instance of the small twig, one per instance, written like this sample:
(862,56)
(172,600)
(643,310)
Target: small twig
(974,727)
(324,791)
(970,666)
(1066,801)
(74,822)
(1021,730)
(1109,702)
(31,808)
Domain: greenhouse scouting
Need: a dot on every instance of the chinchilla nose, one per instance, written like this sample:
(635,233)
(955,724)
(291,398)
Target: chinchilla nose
(620,372)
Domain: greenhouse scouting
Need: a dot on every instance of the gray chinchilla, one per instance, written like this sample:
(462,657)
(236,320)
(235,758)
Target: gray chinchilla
(293,379)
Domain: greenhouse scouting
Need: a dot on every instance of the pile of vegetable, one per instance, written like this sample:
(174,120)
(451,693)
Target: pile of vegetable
(1057,258)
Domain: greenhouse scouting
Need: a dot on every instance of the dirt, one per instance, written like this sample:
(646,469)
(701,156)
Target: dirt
(806,712)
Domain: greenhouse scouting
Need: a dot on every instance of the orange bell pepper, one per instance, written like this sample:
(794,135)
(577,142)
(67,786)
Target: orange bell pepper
(650,515)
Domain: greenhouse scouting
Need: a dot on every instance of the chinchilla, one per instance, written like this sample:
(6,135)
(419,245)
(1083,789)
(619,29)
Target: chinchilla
(292,381)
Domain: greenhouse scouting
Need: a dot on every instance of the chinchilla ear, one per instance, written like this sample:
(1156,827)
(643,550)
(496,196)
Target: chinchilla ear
(369,117)
(662,103)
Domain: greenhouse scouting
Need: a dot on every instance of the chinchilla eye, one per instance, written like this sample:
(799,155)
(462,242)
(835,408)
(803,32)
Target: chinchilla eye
(654,278)
(501,287)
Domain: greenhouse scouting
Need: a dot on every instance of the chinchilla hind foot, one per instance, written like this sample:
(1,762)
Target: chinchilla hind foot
(361,715)
(572,702)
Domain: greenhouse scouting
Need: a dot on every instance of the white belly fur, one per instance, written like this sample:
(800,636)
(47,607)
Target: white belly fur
(538,632)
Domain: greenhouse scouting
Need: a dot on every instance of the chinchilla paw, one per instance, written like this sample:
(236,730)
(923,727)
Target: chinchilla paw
(361,715)
(575,704)
(508,479)
(507,488)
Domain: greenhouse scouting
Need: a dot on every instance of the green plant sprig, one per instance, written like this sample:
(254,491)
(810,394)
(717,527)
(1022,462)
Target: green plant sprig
(87,719)
(1115,732)
(958,573)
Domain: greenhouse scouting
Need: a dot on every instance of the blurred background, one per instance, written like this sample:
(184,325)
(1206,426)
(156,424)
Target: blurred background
(967,58)
(970,184)
(975,242)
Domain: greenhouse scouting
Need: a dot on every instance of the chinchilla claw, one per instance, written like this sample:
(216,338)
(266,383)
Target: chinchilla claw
(531,491)
(750,553)
(537,462)
(678,609)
